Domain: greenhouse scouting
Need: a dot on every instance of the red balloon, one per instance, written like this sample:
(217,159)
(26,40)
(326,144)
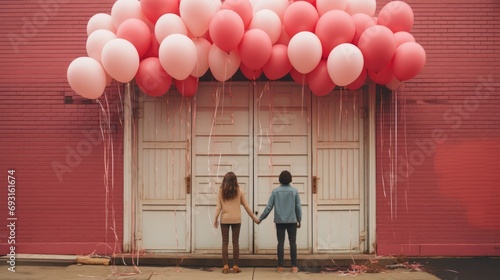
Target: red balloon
(250,74)
(226,30)
(154,9)
(397,16)
(408,61)
(255,49)
(298,77)
(300,16)
(320,82)
(278,64)
(359,82)
(136,32)
(383,76)
(154,48)
(361,23)
(403,37)
(378,45)
(152,78)
(241,7)
(187,87)
(334,28)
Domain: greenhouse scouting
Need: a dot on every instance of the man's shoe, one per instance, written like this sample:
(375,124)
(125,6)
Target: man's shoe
(225,269)
(280,269)
(295,269)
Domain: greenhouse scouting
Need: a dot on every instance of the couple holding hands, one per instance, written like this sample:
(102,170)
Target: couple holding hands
(287,216)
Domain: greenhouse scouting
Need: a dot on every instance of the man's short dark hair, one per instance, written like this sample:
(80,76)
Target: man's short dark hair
(285,178)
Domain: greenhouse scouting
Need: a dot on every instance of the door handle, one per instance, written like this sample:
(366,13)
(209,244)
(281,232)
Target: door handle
(315,184)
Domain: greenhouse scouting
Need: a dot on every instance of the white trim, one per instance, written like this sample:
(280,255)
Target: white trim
(127,170)
(372,170)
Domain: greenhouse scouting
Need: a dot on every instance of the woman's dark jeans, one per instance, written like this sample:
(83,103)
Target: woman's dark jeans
(235,228)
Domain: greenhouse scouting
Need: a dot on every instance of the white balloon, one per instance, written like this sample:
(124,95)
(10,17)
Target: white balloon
(277,6)
(96,42)
(304,51)
(197,14)
(344,64)
(178,56)
(86,77)
(203,48)
(100,21)
(269,22)
(169,24)
(125,9)
(324,6)
(120,59)
(223,65)
(361,6)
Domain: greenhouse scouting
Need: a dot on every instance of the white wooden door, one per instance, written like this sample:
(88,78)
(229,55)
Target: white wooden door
(338,165)
(164,208)
(222,143)
(282,142)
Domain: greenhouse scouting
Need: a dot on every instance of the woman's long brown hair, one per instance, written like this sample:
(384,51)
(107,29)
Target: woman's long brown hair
(229,186)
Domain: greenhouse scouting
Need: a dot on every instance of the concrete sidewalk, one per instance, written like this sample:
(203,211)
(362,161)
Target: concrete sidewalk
(74,272)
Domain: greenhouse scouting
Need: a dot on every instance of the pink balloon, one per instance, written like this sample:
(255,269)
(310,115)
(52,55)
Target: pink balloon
(154,48)
(178,56)
(397,16)
(100,21)
(250,74)
(319,81)
(242,7)
(223,65)
(408,61)
(255,49)
(152,78)
(345,63)
(334,28)
(403,37)
(86,77)
(359,82)
(202,48)
(120,60)
(361,23)
(395,84)
(300,16)
(96,41)
(304,51)
(298,77)
(284,38)
(278,64)
(187,87)
(154,9)
(197,15)
(378,45)
(136,32)
(226,30)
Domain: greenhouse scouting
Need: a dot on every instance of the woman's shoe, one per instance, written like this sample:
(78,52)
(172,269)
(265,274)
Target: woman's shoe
(295,269)
(236,269)
(225,269)
(280,269)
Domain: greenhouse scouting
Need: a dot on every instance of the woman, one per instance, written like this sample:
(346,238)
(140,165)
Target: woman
(228,207)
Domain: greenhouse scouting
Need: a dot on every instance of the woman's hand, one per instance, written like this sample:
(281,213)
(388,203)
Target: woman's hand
(216,224)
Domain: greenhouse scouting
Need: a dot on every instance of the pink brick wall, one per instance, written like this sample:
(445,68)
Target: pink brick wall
(444,195)
(55,148)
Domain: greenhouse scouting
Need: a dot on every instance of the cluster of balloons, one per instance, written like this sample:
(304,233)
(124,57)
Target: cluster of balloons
(320,43)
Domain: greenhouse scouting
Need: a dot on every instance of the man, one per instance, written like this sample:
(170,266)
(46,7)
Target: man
(287,216)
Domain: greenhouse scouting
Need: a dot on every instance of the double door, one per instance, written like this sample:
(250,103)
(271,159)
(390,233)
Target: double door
(256,131)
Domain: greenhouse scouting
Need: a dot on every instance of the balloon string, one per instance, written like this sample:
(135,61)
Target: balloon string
(406,147)
(382,143)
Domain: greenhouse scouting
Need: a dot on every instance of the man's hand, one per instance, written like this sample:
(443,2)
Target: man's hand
(298,224)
